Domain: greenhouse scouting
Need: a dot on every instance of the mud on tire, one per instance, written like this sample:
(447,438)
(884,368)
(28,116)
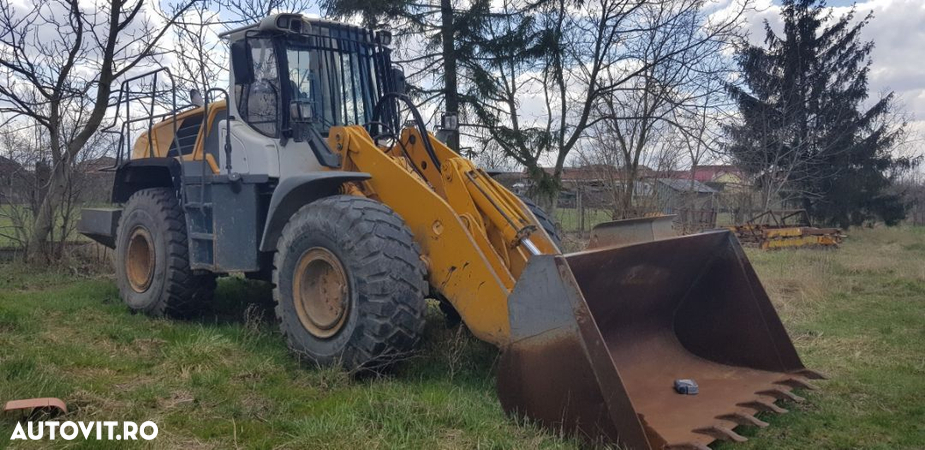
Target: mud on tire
(381,316)
(152,258)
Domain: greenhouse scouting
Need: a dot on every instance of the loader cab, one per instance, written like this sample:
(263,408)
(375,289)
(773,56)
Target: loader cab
(294,78)
(241,167)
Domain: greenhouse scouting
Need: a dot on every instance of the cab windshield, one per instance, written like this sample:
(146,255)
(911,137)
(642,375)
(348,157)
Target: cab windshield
(338,79)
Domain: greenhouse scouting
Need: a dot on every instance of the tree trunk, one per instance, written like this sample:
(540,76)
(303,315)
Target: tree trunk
(547,200)
(626,193)
(45,216)
(450,88)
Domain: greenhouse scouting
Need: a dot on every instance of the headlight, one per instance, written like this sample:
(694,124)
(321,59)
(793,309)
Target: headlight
(384,37)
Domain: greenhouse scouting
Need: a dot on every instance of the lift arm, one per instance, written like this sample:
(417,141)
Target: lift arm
(475,235)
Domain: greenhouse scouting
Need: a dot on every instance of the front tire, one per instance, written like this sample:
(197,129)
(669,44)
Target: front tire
(152,258)
(549,226)
(349,284)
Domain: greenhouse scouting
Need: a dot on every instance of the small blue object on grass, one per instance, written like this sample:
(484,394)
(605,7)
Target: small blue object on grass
(685,386)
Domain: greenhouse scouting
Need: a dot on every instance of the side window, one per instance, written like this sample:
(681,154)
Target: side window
(259,102)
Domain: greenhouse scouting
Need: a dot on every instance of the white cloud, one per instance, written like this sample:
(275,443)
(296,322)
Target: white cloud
(898,32)
(899,49)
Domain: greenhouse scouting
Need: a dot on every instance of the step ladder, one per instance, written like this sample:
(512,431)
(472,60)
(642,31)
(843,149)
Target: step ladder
(199,222)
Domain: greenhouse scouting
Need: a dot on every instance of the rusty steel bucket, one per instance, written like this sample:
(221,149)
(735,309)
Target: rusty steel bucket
(599,338)
(629,231)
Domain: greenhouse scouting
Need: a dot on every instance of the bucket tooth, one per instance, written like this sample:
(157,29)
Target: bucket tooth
(744,419)
(721,433)
(763,405)
(782,394)
(811,374)
(798,383)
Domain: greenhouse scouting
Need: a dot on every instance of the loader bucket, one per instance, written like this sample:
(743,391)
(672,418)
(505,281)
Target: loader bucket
(630,231)
(599,337)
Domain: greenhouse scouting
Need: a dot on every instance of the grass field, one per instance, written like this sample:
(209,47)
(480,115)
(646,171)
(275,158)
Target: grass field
(569,220)
(226,381)
(6,226)
(7,230)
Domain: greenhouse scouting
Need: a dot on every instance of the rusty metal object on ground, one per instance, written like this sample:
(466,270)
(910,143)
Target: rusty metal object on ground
(599,338)
(785,229)
(629,231)
(48,403)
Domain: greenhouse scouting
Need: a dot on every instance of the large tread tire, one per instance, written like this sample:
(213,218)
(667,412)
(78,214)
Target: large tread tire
(386,281)
(174,289)
(545,221)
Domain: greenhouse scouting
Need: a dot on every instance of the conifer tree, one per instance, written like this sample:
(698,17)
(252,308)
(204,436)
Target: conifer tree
(449,30)
(809,132)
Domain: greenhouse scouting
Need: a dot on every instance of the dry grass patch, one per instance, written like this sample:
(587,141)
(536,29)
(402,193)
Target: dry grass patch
(226,380)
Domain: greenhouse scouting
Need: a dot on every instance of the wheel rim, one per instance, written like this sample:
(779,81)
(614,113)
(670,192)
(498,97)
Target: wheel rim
(320,292)
(139,262)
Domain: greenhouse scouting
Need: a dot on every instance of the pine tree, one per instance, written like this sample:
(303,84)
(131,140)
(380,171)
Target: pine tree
(449,31)
(806,131)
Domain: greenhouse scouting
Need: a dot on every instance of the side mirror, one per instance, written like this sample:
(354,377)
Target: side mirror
(300,111)
(398,80)
(241,65)
(195,97)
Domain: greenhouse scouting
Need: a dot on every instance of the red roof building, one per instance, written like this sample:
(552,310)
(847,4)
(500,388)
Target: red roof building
(711,173)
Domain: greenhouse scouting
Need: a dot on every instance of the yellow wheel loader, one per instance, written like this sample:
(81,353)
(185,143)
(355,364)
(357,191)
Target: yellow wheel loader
(305,174)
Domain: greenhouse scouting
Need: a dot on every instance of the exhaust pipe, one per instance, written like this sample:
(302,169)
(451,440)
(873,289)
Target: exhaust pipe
(599,338)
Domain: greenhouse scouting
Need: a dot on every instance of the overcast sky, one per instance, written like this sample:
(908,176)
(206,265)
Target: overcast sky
(898,31)
(898,60)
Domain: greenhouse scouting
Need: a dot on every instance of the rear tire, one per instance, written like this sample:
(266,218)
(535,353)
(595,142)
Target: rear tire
(152,258)
(349,284)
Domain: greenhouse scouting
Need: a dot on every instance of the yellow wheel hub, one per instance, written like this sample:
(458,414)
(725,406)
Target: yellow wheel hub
(139,261)
(320,292)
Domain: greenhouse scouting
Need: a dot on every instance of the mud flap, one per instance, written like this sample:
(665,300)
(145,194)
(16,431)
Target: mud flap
(599,337)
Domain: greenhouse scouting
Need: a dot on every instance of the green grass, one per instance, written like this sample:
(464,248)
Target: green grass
(568,219)
(6,226)
(856,314)
(7,230)
(226,379)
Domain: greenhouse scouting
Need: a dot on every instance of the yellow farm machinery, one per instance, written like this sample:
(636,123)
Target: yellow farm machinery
(305,174)
(773,230)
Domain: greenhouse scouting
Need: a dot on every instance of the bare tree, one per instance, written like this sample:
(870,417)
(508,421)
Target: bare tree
(25,168)
(589,54)
(629,193)
(671,101)
(912,188)
(58,64)
(19,154)
(490,156)
(245,12)
(198,57)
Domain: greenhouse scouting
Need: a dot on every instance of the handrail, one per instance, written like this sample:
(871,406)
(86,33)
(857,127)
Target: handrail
(126,96)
